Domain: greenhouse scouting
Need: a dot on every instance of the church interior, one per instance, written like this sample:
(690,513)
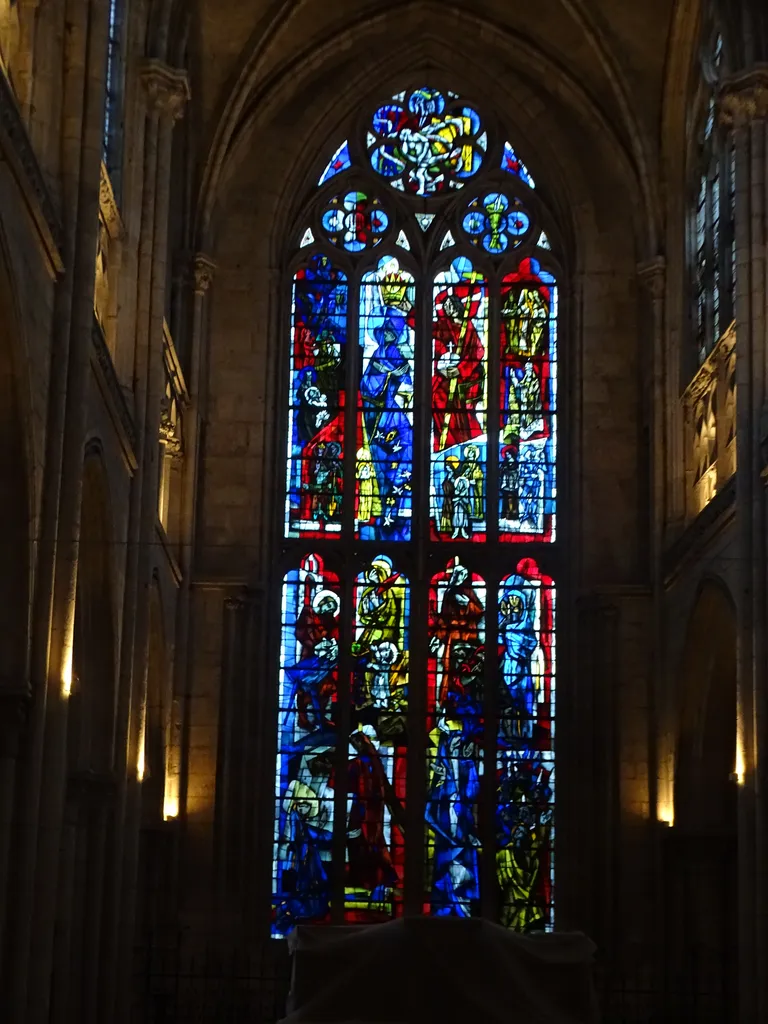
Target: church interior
(384,452)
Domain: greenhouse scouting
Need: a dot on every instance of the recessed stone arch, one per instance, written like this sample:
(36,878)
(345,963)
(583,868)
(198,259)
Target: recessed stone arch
(702,850)
(92,709)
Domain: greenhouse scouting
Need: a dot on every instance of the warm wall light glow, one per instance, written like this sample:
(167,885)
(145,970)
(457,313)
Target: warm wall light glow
(740,767)
(66,672)
(141,763)
(666,814)
(171,799)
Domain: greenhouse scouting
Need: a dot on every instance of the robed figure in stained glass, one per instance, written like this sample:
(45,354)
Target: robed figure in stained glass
(307,740)
(455,629)
(316,445)
(385,430)
(376,769)
(458,381)
(528,402)
(456,639)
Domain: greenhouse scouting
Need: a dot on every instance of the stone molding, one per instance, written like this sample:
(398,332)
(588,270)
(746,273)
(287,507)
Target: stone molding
(167,88)
(743,98)
(108,206)
(116,403)
(204,269)
(653,276)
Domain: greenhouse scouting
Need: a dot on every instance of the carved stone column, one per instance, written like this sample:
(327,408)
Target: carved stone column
(653,278)
(743,109)
(203,271)
(167,91)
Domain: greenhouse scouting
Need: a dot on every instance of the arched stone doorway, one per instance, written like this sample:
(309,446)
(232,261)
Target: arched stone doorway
(702,852)
(156,841)
(90,743)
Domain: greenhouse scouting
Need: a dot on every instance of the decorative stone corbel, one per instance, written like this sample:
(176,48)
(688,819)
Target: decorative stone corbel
(204,269)
(653,276)
(167,88)
(743,98)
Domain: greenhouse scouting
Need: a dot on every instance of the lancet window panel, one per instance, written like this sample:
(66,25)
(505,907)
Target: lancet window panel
(415,736)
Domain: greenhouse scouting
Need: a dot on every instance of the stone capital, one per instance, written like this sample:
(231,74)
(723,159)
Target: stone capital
(743,98)
(167,88)
(653,276)
(204,269)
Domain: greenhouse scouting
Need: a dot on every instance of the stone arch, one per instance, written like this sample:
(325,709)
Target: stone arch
(92,709)
(428,42)
(703,844)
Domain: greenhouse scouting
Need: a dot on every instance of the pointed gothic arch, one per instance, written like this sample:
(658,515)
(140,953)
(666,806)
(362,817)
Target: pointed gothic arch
(421,433)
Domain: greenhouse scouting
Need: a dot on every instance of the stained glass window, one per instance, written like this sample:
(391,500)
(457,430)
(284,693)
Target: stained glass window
(712,220)
(417,655)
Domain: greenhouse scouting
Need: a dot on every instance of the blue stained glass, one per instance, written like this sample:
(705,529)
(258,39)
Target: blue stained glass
(512,163)
(385,404)
(307,741)
(494,223)
(376,770)
(525,745)
(355,222)
(340,161)
(528,405)
(455,740)
(314,497)
(426,143)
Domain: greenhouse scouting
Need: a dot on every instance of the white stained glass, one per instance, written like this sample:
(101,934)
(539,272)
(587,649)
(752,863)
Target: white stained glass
(402,241)
(543,241)
(308,238)
(448,241)
(424,220)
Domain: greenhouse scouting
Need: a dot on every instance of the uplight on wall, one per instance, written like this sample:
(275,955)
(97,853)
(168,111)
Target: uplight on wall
(666,814)
(740,766)
(171,798)
(66,672)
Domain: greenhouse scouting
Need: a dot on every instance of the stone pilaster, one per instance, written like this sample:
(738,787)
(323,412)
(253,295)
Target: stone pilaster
(743,111)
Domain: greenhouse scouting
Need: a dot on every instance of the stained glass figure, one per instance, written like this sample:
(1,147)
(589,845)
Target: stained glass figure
(525,754)
(447,241)
(307,238)
(494,222)
(426,142)
(402,241)
(384,507)
(339,162)
(455,738)
(459,395)
(355,222)
(314,488)
(512,163)
(424,220)
(376,769)
(307,739)
(528,404)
